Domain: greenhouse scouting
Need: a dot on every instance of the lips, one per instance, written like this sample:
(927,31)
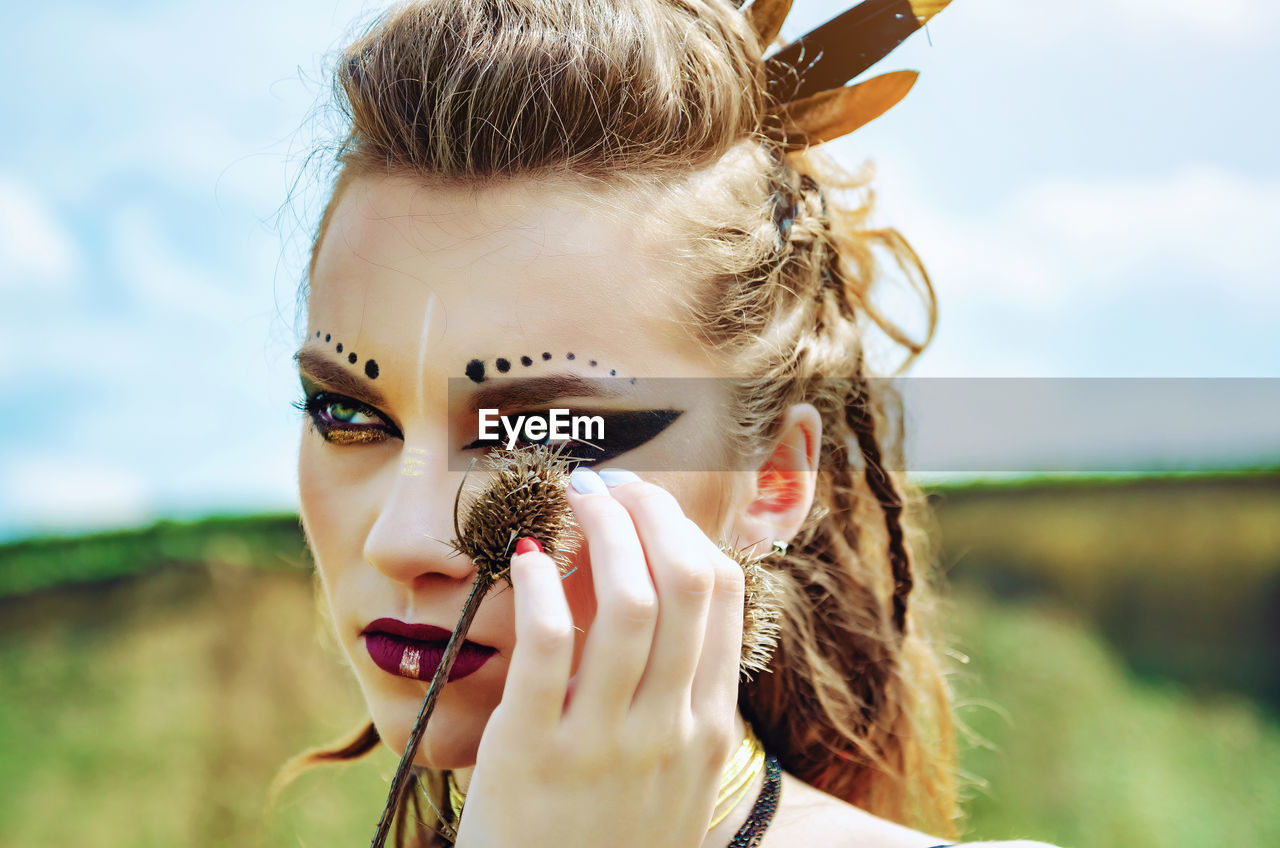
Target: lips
(415,650)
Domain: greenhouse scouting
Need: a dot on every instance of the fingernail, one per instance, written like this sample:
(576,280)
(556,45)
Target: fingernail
(587,482)
(617,476)
(527,545)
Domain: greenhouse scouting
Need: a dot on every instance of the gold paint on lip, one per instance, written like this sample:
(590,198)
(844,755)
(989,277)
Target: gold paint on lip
(410,662)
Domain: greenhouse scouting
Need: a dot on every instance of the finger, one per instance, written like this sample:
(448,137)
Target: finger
(618,643)
(715,682)
(538,676)
(674,547)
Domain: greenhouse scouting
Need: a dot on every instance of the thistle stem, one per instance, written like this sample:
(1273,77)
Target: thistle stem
(478,590)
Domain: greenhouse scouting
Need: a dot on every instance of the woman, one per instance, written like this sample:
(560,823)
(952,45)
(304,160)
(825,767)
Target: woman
(535,193)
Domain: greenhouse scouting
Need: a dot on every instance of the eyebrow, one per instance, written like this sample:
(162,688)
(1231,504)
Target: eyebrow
(535,391)
(337,377)
(505,392)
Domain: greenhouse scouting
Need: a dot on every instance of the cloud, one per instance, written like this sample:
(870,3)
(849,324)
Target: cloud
(1055,241)
(63,491)
(1142,22)
(1213,224)
(1195,244)
(36,250)
(1219,19)
(162,278)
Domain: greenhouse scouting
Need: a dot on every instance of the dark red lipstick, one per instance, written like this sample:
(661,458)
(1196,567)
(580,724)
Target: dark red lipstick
(415,650)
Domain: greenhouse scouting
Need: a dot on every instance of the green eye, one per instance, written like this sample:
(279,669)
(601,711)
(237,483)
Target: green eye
(345,413)
(342,421)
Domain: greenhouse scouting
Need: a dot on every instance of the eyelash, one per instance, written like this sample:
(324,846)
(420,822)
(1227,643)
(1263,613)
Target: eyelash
(317,407)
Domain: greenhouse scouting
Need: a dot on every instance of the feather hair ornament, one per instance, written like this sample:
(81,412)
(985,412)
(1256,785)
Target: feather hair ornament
(524,495)
(806,78)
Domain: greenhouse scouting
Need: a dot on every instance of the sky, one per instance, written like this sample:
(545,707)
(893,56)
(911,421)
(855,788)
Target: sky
(1092,186)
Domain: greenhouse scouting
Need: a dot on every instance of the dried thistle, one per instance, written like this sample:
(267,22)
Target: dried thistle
(761,611)
(524,495)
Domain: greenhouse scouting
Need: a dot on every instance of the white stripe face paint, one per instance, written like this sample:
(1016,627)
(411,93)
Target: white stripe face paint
(413,461)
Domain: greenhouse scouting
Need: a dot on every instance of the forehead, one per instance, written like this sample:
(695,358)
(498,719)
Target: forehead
(518,269)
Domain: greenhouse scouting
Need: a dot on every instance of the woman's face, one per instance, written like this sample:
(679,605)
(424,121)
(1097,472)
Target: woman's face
(414,287)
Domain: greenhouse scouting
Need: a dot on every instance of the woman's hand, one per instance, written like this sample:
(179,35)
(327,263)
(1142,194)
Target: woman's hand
(633,755)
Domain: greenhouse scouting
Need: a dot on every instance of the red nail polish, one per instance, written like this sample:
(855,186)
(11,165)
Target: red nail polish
(527,545)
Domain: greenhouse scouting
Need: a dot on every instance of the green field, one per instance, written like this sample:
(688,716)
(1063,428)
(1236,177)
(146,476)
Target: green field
(1118,689)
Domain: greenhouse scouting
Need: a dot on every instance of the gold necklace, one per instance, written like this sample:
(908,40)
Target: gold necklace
(736,780)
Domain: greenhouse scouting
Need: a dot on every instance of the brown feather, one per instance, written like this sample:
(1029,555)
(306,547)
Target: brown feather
(926,9)
(835,112)
(766,17)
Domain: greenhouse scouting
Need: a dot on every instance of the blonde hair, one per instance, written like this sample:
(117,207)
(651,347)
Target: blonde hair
(651,93)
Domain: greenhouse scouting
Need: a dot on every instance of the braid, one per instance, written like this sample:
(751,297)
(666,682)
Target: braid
(858,410)
(858,415)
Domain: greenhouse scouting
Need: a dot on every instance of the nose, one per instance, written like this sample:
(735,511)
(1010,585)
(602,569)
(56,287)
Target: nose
(410,539)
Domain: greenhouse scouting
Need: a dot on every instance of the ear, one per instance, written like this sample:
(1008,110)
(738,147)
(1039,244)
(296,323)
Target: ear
(777,496)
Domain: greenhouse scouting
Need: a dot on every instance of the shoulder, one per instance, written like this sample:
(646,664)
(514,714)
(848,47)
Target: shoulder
(808,816)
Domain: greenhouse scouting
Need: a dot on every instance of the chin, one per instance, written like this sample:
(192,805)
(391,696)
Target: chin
(453,733)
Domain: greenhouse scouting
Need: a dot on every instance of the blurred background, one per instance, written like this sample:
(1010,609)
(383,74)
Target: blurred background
(1094,191)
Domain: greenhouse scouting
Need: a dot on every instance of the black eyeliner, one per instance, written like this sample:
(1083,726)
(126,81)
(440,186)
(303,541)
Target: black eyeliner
(624,432)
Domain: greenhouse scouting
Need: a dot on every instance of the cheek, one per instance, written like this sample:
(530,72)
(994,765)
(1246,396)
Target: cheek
(700,494)
(320,506)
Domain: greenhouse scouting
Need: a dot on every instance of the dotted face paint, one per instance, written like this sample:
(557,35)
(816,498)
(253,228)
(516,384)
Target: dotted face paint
(370,366)
(477,371)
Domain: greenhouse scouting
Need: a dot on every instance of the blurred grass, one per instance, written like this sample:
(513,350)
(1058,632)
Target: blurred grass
(151,683)
(263,541)
(1080,753)
(1180,574)
(154,712)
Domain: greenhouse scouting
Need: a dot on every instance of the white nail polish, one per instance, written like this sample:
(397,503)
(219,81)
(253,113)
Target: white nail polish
(587,482)
(617,476)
